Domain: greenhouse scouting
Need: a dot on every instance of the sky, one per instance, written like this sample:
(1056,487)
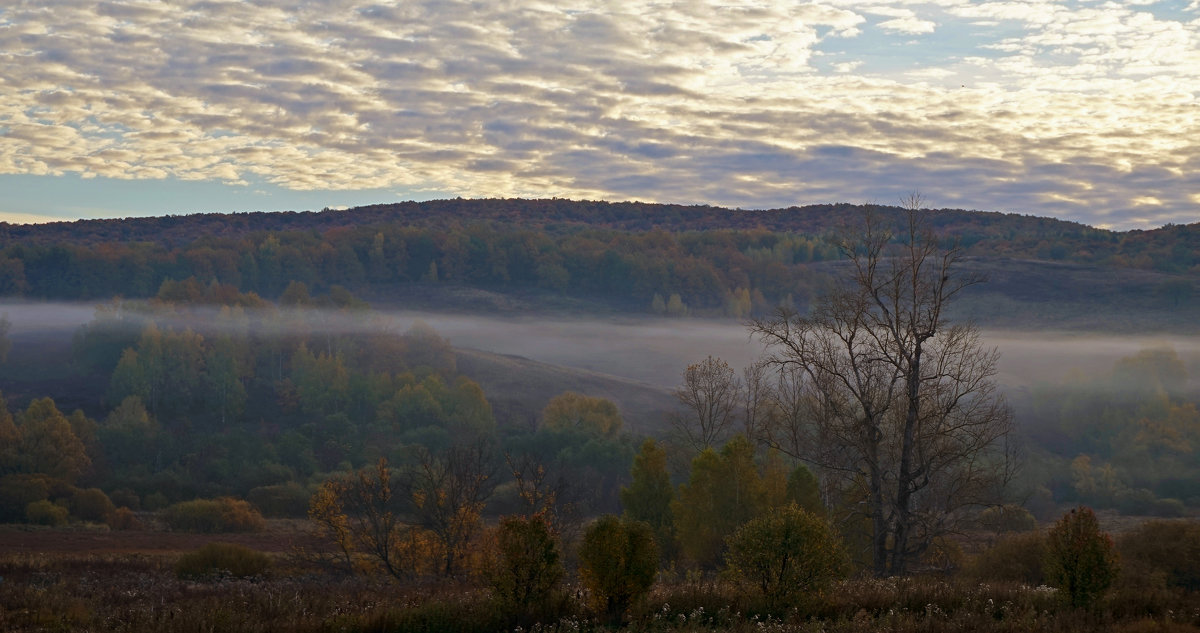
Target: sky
(1078,109)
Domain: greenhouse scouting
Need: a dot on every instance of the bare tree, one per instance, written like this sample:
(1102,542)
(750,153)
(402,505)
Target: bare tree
(882,391)
(361,513)
(357,512)
(709,396)
(448,493)
(547,492)
(757,399)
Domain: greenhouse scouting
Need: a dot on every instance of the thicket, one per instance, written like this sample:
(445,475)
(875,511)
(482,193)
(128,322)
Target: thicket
(222,560)
(1015,557)
(224,514)
(1162,552)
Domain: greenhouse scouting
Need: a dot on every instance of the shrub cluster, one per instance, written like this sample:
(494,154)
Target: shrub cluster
(1163,551)
(786,553)
(1007,518)
(222,560)
(91,504)
(29,496)
(1019,557)
(45,500)
(45,512)
(224,514)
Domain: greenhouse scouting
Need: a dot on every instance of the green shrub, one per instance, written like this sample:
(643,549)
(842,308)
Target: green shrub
(45,512)
(222,560)
(1014,557)
(805,490)
(526,569)
(785,553)
(1169,548)
(224,514)
(1080,559)
(618,561)
(17,492)
(92,505)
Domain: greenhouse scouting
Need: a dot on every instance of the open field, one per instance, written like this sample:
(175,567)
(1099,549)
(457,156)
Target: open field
(17,540)
(80,580)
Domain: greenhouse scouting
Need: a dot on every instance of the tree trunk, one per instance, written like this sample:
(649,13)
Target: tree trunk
(904,487)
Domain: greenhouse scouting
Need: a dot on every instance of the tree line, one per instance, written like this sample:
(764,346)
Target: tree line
(664,259)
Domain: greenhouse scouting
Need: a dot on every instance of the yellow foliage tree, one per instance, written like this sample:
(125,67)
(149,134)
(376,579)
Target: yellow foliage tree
(447,493)
(575,411)
(48,444)
(359,515)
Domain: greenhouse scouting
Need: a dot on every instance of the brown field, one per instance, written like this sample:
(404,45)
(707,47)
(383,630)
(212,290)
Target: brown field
(281,537)
(77,579)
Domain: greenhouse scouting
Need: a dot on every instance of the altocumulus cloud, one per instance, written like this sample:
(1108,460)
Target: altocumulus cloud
(1079,109)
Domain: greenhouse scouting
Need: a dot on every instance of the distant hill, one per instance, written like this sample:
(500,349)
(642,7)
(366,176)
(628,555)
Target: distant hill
(546,215)
(624,257)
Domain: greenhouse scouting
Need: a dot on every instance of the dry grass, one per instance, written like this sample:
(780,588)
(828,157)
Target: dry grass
(134,592)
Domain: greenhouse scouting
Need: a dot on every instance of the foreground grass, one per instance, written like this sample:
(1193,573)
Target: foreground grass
(135,593)
(142,593)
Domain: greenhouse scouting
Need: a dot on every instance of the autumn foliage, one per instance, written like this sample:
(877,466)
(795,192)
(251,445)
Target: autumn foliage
(224,514)
(1080,559)
(786,553)
(618,562)
(526,567)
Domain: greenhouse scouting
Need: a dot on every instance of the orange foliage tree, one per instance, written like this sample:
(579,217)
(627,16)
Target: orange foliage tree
(363,515)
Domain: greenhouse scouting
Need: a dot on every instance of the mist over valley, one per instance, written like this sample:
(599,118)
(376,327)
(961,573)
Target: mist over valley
(645,351)
(554,373)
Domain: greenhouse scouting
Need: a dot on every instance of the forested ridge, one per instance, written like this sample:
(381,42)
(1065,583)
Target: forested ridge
(667,259)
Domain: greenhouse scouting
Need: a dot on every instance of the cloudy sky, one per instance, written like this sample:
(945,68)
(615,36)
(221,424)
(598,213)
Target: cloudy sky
(1084,110)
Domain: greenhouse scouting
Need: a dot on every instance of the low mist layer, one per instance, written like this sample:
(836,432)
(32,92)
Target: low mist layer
(645,349)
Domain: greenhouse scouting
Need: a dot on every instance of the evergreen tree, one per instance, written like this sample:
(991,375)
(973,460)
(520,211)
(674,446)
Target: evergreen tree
(723,492)
(648,497)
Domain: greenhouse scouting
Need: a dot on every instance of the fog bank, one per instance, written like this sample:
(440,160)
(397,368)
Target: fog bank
(647,349)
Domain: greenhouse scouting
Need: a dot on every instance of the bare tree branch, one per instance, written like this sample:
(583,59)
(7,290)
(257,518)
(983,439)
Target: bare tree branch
(875,387)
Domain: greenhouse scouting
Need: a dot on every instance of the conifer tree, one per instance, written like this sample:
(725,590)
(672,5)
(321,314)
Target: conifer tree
(648,497)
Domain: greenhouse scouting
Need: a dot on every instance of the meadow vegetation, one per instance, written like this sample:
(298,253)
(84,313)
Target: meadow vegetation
(222,587)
